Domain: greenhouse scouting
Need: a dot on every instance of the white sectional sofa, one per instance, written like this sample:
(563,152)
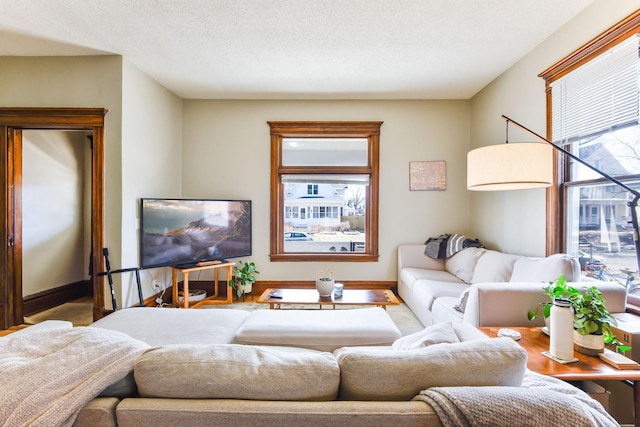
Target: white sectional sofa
(485,287)
(170,367)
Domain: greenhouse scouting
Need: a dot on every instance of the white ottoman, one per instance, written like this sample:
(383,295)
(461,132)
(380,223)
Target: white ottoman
(324,330)
(161,326)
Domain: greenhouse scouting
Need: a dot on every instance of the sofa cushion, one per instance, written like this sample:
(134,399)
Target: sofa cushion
(464,263)
(444,310)
(160,326)
(367,374)
(410,275)
(435,334)
(547,269)
(229,371)
(324,330)
(494,266)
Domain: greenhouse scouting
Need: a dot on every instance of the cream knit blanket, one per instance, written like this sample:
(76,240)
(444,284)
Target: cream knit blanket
(541,401)
(47,376)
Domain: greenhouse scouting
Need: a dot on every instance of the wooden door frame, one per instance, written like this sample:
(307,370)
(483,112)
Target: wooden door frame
(12,122)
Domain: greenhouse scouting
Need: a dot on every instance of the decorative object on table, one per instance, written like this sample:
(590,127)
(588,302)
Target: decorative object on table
(592,322)
(509,333)
(591,319)
(325,283)
(243,276)
(561,329)
(428,176)
(337,290)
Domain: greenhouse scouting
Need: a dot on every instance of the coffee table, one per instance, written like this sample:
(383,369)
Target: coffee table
(378,297)
(586,368)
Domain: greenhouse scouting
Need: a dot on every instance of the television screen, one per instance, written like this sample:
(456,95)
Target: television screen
(182,232)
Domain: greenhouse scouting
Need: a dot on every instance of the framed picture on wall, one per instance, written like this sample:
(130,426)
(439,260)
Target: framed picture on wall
(428,176)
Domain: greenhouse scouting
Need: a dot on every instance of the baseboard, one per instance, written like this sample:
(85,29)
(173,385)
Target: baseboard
(50,298)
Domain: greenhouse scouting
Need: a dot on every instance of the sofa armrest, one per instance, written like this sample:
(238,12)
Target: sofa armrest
(507,304)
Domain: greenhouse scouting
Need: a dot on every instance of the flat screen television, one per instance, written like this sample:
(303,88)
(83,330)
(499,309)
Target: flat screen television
(183,232)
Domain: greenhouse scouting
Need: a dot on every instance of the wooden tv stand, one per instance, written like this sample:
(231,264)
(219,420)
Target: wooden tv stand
(210,300)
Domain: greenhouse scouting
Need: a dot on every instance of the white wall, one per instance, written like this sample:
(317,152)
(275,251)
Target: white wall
(515,221)
(226,154)
(151,167)
(53,201)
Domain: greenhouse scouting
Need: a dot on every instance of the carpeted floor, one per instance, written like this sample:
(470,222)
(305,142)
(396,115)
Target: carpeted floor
(80,313)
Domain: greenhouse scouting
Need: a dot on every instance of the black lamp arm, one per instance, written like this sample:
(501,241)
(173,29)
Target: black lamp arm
(633,204)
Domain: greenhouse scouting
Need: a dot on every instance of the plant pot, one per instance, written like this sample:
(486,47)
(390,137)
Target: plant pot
(246,288)
(324,286)
(588,344)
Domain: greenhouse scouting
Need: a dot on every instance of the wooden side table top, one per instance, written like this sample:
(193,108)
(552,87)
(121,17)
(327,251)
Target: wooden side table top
(586,368)
(377,297)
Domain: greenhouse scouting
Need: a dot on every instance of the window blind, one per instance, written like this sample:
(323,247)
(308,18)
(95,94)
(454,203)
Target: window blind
(601,95)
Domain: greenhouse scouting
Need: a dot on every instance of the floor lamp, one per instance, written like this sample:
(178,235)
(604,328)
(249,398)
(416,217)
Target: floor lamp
(520,166)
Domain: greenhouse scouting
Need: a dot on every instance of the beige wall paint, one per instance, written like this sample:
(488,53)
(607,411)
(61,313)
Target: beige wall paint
(83,81)
(151,166)
(515,221)
(226,149)
(54,248)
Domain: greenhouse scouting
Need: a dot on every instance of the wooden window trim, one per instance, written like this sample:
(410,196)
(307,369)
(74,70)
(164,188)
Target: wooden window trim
(280,130)
(554,197)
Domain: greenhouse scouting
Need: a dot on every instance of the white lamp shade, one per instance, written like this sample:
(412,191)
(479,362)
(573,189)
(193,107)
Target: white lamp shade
(511,166)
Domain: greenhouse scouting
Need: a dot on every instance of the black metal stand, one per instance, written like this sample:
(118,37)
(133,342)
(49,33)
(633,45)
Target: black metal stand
(109,274)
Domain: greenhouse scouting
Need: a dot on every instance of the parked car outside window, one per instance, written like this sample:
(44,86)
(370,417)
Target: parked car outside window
(297,235)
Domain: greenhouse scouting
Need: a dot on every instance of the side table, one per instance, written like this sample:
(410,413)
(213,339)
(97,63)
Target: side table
(212,299)
(586,368)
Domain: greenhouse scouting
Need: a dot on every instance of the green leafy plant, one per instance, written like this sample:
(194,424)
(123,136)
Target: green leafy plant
(557,289)
(243,274)
(590,315)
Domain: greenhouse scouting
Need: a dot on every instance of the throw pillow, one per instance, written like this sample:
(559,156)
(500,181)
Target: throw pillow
(370,374)
(435,334)
(464,263)
(461,304)
(231,371)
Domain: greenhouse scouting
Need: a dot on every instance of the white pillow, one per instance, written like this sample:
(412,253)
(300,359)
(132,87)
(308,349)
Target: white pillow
(461,304)
(463,263)
(435,334)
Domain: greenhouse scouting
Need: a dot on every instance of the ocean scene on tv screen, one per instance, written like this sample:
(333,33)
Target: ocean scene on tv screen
(176,232)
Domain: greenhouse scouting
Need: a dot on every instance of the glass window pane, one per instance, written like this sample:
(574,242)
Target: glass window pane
(616,153)
(331,214)
(324,152)
(598,226)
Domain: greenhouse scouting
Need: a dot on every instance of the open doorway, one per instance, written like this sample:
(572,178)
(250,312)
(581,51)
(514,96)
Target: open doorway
(13,123)
(56,220)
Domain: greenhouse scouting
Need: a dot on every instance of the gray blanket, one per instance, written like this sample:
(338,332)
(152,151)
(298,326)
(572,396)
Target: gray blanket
(541,401)
(47,376)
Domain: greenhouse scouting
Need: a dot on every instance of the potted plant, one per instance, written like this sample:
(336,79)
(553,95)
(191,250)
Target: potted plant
(557,289)
(243,275)
(591,322)
(325,283)
(591,319)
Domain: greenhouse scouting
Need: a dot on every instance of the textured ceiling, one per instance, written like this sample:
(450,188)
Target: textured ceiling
(294,49)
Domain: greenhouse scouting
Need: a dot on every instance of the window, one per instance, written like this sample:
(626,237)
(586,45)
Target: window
(324,191)
(594,113)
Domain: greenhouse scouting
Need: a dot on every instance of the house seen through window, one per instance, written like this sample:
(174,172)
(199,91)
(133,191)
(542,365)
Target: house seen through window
(324,191)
